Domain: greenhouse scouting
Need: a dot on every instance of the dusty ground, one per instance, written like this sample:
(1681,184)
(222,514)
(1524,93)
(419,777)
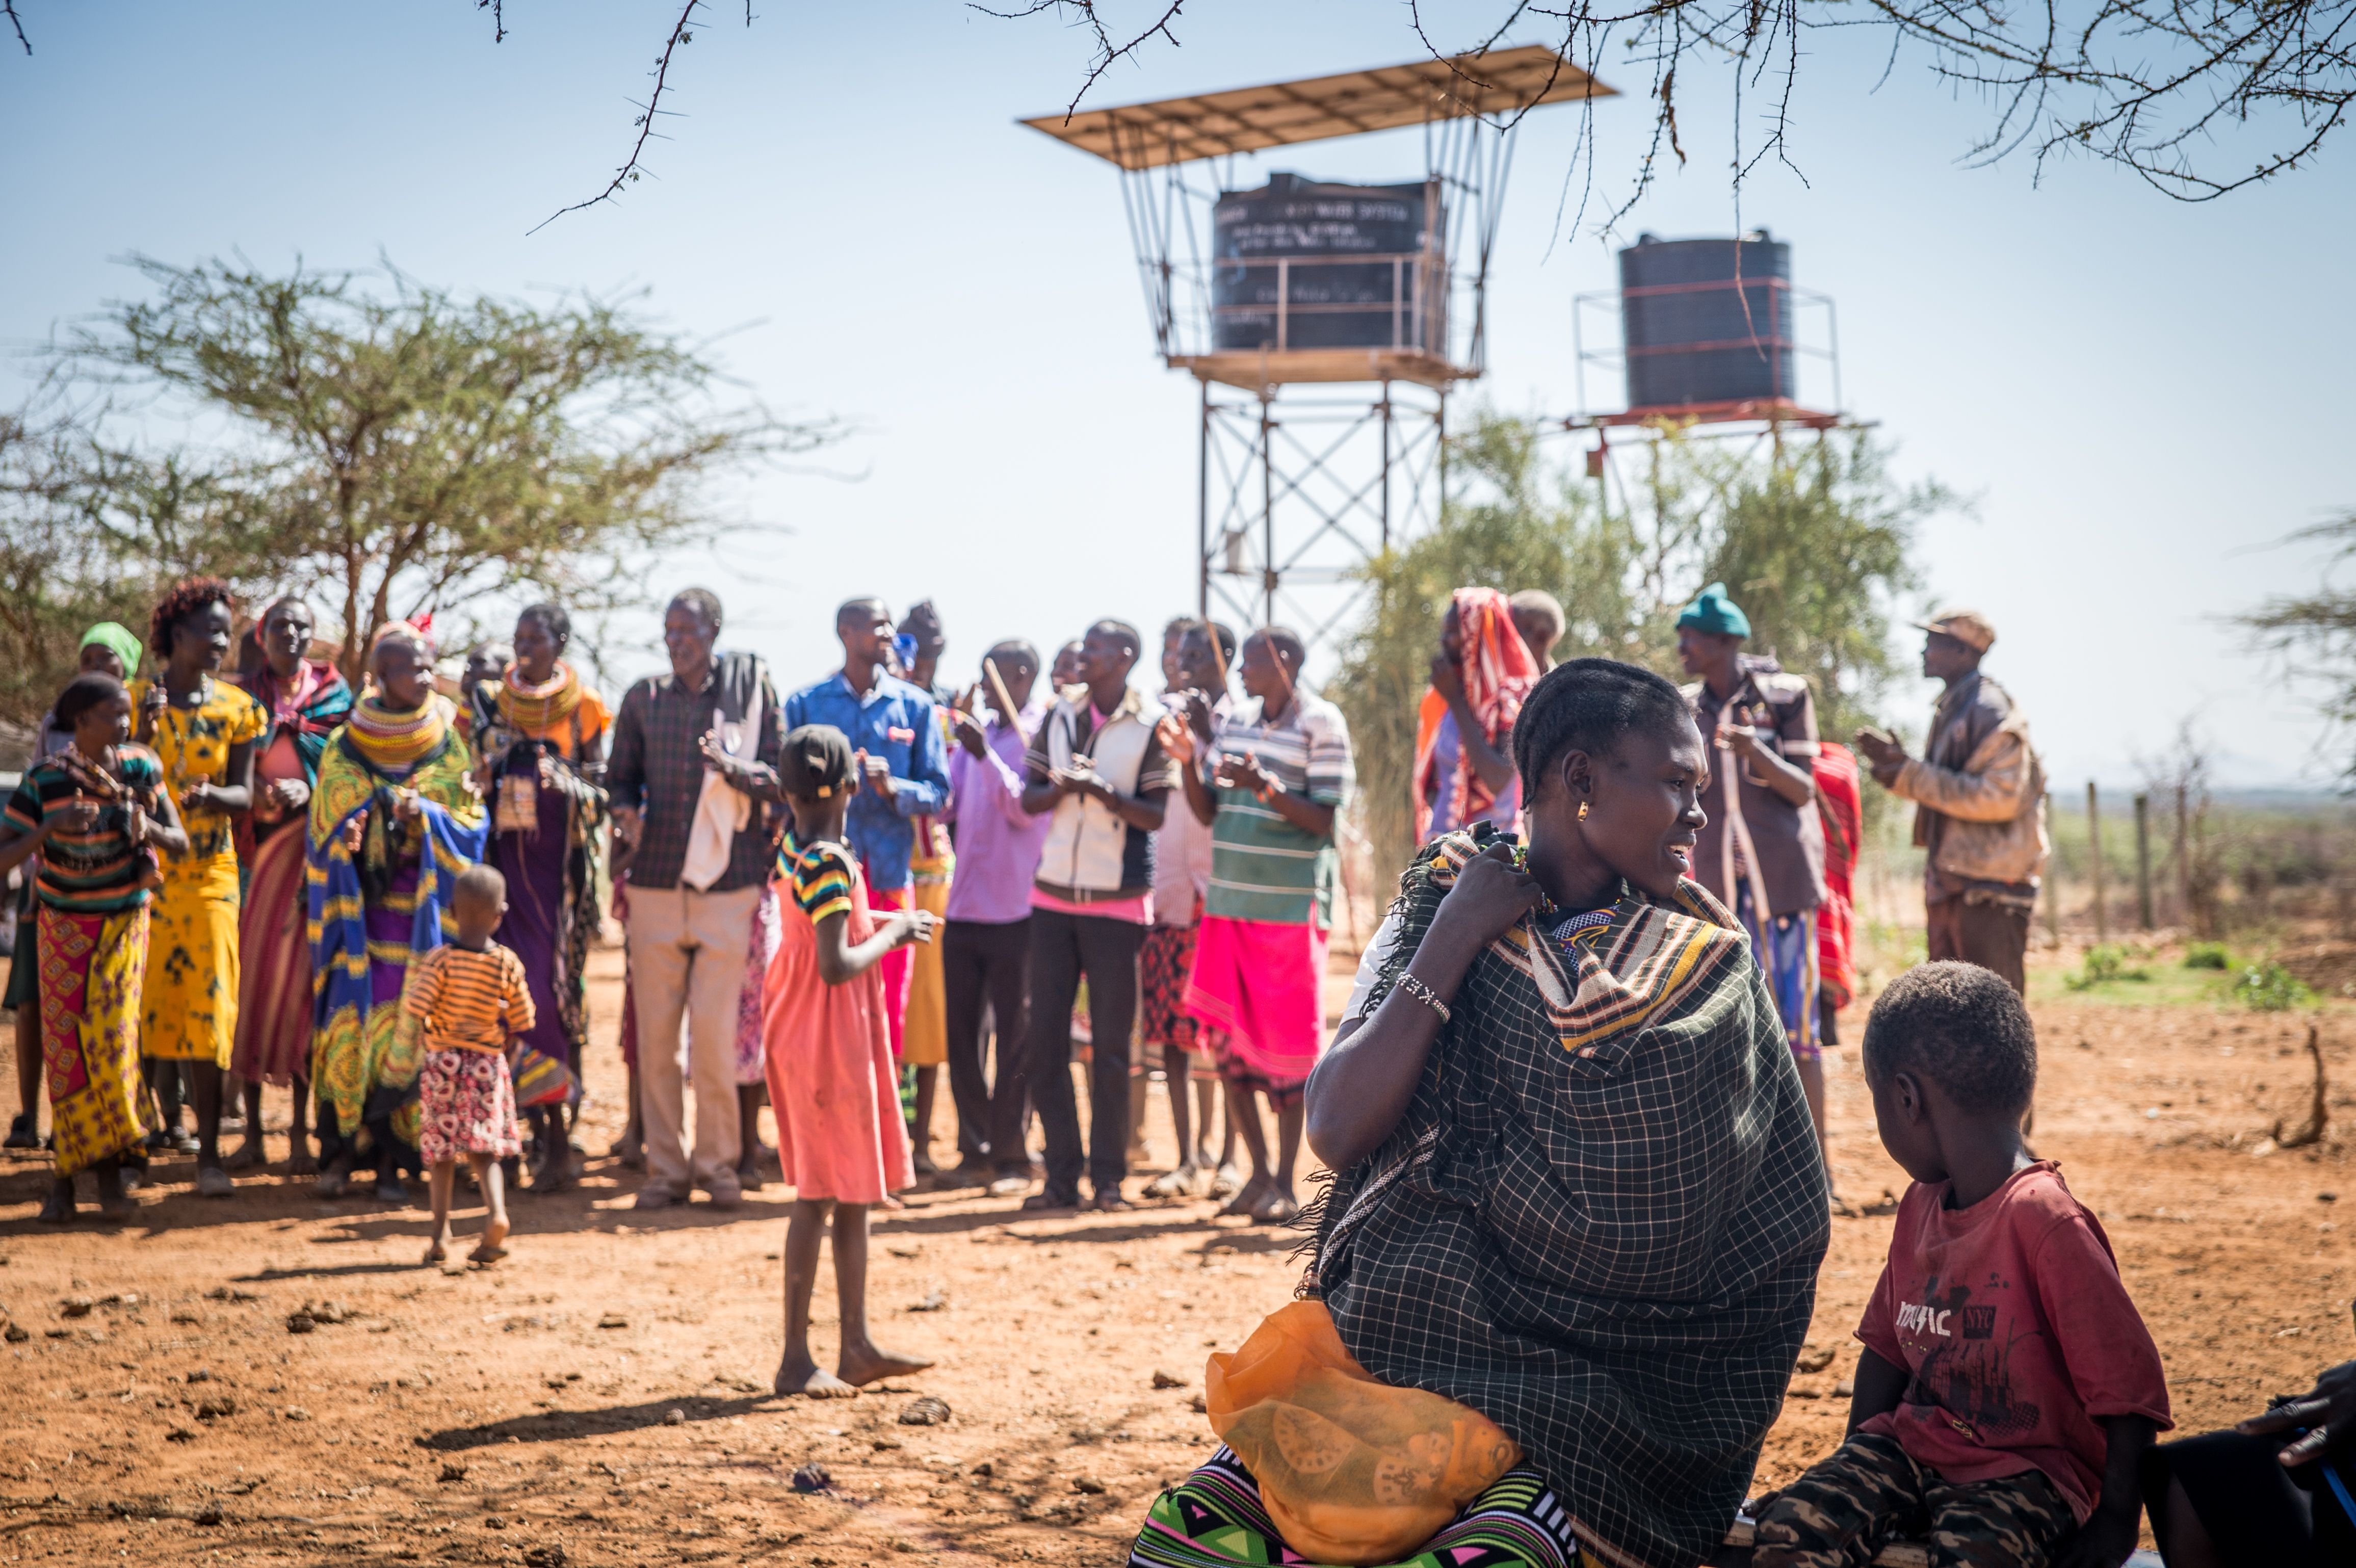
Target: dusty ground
(600,1397)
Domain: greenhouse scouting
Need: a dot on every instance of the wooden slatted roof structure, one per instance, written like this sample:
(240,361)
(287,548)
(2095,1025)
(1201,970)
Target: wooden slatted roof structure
(1245,119)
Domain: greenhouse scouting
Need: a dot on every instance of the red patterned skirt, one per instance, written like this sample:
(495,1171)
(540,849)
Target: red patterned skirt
(466,1106)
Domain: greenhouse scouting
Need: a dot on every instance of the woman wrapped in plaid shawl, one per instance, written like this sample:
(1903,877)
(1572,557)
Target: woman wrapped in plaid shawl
(1579,1189)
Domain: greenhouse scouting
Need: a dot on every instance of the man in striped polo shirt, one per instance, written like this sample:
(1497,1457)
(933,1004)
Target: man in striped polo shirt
(1269,781)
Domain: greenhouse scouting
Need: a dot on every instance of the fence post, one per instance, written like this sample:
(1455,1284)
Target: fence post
(2053,889)
(2143,859)
(2094,859)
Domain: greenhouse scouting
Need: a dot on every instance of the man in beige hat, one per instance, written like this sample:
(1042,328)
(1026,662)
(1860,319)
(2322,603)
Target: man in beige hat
(1979,795)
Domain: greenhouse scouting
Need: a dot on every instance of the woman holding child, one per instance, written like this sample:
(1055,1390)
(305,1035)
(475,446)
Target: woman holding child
(1578,1193)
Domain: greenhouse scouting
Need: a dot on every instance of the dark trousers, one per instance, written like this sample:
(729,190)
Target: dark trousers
(1989,935)
(986,970)
(1063,949)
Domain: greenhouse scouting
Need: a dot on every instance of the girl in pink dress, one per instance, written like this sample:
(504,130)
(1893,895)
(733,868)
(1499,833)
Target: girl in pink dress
(832,1083)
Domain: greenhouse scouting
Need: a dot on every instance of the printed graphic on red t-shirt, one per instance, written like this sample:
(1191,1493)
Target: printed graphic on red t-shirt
(2017,1334)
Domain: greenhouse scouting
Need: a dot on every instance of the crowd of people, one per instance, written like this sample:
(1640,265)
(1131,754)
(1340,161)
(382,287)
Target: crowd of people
(1574,1109)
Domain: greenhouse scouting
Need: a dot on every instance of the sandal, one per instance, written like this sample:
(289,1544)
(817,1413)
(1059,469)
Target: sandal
(1275,1209)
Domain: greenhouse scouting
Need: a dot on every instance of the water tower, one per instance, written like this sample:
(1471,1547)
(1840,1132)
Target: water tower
(1710,343)
(1325,323)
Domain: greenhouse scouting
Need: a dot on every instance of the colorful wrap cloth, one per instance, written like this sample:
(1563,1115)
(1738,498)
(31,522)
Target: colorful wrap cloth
(91,969)
(763,932)
(274,983)
(370,914)
(1255,984)
(1600,1220)
(1498,674)
(1216,1517)
(1842,813)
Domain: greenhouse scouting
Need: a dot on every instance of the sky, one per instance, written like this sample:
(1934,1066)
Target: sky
(2140,398)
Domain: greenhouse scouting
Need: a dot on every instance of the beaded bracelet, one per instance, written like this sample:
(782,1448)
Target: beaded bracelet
(1423,993)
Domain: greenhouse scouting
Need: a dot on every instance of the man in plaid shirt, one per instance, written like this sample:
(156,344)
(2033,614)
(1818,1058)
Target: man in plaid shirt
(690,924)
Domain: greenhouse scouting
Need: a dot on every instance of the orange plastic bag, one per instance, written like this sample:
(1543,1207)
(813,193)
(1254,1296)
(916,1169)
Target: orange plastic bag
(1351,1471)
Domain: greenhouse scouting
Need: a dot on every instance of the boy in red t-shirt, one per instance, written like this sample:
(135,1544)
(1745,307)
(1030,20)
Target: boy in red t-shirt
(2009,1389)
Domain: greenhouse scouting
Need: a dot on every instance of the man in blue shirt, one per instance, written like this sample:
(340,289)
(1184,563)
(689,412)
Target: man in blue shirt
(904,766)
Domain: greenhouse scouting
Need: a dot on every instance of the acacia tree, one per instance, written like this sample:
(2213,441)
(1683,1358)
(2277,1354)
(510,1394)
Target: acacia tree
(2196,100)
(1814,538)
(2314,635)
(396,449)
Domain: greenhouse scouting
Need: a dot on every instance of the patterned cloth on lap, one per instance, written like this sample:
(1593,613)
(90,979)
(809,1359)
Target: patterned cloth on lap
(1215,1519)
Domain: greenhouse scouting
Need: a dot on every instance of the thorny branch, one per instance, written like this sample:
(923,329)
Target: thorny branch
(16,22)
(2198,98)
(498,9)
(1106,50)
(629,171)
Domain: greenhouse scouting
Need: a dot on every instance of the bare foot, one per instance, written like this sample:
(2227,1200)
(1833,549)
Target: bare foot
(303,1164)
(870,1366)
(809,1382)
(248,1155)
(493,1246)
(436,1251)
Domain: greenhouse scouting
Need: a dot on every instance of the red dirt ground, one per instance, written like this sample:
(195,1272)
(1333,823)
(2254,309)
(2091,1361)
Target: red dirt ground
(601,1397)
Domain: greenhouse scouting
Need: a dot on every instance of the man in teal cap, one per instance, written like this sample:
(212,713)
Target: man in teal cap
(1762,851)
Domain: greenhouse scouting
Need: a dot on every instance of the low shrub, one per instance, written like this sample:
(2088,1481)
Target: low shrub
(2104,964)
(2207,955)
(2271,988)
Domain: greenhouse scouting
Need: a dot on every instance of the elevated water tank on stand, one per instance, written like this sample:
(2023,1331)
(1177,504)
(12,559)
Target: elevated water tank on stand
(1706,322)
(1301,265)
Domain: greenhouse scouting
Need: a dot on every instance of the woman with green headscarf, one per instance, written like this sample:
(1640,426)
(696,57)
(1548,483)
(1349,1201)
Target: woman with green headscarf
(109,649)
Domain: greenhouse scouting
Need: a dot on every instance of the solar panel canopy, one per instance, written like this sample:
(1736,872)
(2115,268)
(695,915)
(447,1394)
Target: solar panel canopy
(1284,113)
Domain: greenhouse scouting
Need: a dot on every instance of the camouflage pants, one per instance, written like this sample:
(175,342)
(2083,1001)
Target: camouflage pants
(1869,1493)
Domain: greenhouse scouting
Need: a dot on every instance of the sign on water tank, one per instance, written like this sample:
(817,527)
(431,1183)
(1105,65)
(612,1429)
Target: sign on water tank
(1281,245)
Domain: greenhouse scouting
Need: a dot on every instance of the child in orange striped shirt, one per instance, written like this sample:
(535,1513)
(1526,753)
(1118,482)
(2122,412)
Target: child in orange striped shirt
(465,1005)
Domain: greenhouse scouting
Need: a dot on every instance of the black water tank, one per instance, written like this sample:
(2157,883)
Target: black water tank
(1328,302)
(1706,320)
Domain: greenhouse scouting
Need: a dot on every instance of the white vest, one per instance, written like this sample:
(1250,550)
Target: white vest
(1085,838)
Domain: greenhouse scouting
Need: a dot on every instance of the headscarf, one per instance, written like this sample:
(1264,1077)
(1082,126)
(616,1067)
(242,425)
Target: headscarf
(118,639)
(1498,674)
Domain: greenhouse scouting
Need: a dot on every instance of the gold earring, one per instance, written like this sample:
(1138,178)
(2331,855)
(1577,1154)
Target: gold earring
(1582,810)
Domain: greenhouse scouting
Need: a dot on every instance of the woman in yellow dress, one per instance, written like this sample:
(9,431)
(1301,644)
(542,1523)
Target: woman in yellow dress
(202,729)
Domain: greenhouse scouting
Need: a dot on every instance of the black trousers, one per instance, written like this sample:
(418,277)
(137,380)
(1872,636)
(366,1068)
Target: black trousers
(1063,949)
(986,974)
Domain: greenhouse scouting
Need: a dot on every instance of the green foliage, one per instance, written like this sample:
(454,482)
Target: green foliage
(2103,964)
(1811,538)
(2270,988)
(393,448)
(2207,955)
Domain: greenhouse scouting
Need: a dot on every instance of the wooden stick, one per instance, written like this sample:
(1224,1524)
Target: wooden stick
(997,693)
